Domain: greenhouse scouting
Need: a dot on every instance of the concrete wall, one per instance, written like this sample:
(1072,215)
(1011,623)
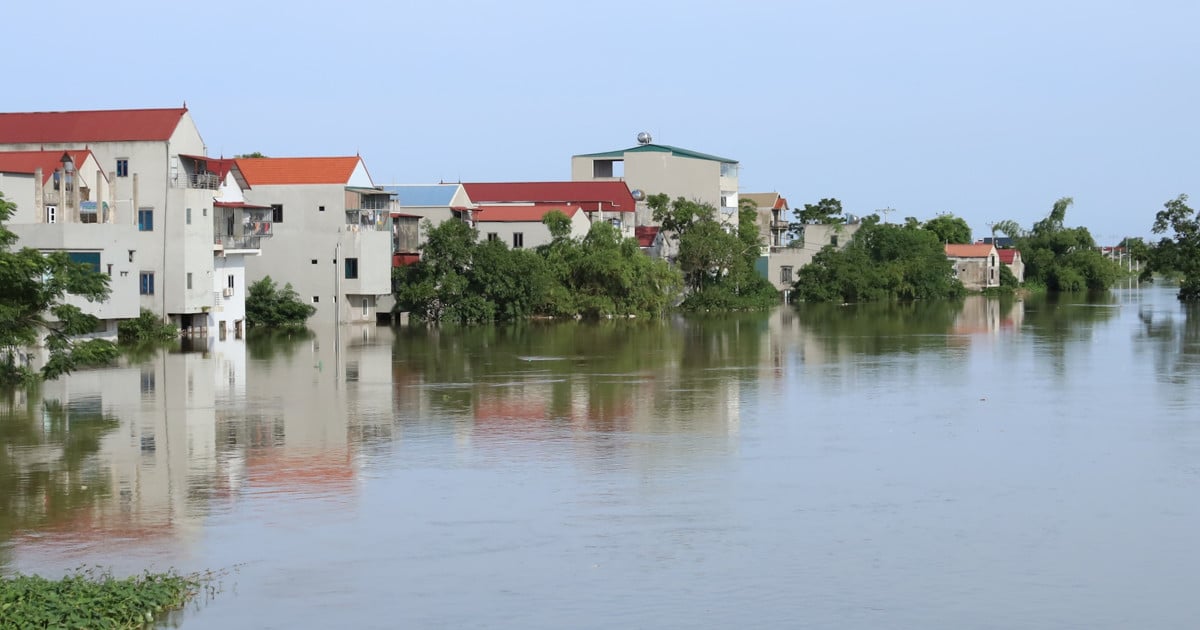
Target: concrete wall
(656,172)
(304,244)
(535,232)
(977,273)
(229,310)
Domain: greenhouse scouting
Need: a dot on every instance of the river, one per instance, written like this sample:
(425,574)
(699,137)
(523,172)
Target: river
(990,464)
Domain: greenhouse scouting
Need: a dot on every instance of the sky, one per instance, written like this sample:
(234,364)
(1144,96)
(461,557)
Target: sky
(987,110)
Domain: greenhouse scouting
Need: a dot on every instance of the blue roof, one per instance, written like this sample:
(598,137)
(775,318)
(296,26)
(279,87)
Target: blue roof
(423,195)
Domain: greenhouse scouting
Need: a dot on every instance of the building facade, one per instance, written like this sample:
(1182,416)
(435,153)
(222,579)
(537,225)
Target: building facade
(976,266)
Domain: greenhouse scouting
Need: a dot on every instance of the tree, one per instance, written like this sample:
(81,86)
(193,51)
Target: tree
(256,154)
(1180,252)
(558,223)
(949,229)
(883,262)
(33,287)
(824,212)
(1060,258)
(270,307)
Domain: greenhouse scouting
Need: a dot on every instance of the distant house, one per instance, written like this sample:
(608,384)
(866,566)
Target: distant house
(976,266)
(649,238)
(521,226)
(1012,258)
(772,217)
(419,202)
(607,201)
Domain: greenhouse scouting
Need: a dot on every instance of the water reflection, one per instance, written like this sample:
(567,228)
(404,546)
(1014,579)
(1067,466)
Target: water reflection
(1172,333)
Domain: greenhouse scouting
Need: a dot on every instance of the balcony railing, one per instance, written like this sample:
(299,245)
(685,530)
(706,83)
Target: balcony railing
(237,242)
(779,225)
(364,219)
(204,181)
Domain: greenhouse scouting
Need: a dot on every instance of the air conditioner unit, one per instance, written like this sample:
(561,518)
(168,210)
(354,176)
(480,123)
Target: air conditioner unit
(228,292)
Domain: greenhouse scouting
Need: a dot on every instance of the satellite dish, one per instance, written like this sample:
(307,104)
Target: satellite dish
(638,194)
(645,138)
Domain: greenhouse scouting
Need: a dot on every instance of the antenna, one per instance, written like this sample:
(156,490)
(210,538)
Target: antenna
(885,212)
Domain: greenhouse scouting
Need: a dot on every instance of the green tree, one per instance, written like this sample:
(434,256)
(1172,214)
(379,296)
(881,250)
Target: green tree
(949,229)
(1180,252)
(33,287)
(274,308)
(558,223)
(883,262)
(437,288)
(824,212)
(1060,258)
(255,154)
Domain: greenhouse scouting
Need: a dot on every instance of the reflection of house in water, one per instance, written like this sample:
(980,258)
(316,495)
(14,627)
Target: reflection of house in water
(981,315)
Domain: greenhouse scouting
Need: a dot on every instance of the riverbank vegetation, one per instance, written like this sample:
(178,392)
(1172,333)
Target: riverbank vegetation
(1061,259)
(883,262)
(33,305)
(92,599)
(275,308)
(460,279)
(1179,253)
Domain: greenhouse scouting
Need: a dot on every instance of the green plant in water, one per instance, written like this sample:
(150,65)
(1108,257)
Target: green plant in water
(146,327)
(93,599)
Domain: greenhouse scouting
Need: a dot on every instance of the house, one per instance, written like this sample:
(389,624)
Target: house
(782,264)
(416,203)
(332,237)
(650,240)
(169,254)
(976,266)
(1012,258)
(521,226)
(650,169)
(609,201)
(773,219)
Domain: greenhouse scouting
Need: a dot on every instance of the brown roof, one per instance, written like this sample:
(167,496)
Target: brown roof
(954,250)
(301,170)
(113,125)
(766,201)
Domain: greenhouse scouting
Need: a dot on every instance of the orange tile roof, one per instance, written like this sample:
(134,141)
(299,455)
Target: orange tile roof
(533,214)
(113,125)
(968,251)
(1007,256)
(301,170)
(26,162)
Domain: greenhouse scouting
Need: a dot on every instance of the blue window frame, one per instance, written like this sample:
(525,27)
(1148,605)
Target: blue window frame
(146,219)
(87,258)
(146,283)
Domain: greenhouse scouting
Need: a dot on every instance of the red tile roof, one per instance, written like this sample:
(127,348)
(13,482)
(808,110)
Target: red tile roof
(646,234)
(218,166)
(26,162)
(608,196)
(302,170)
(968,251)
(113,125)
(533,214)
(1007,256)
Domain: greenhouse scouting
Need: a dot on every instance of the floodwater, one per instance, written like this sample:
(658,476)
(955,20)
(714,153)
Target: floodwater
(986,465)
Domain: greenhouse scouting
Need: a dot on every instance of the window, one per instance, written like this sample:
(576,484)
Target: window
(366,308)
(320,208)
(277,213)
(833,240)
(314,261)
(204,212)
(145,219)
(351,268)
(785,274)
(146,283)
(492,236)
(229,281)
(316,299)
(92,259)
(518,240)
(51,214)
(189,280)
(188,216)
(724,201)
(122,167)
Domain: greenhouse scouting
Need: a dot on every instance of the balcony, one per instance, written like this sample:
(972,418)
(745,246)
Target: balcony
(780,225)
(236,243)
(367,219)
(203,181)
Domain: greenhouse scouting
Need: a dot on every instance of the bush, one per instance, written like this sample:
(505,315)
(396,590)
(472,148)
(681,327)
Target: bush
(91,599)
(146,327)
(269,306)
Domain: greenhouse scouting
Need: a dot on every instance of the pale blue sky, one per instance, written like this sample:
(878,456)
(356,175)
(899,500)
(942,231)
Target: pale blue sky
(988,110)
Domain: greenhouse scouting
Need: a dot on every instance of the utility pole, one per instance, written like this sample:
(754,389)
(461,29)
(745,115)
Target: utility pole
(886,211)
(992,226)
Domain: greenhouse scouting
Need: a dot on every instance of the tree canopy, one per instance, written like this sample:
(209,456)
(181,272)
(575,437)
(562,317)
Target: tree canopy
(33,290)
(882,262)
(826,211)
(270,307)
(1179,252)
(949,229)
(1060,258)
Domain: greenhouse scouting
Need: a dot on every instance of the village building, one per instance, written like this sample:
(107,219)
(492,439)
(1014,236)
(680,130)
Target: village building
(976,266)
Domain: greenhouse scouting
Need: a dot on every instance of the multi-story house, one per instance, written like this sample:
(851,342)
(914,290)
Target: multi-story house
(650,169)
(773,218)
(332,233)
(609,201)
(169,255)
(416,203)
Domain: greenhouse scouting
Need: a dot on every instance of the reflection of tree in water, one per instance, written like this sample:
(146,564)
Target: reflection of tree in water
(877,328)
(47,470)
(266,345)
(1176,344)
(1059,320)
(610,364)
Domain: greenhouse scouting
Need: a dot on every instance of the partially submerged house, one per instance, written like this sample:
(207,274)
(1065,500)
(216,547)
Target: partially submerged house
(976,266)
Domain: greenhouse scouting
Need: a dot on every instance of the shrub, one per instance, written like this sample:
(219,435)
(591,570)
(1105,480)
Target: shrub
(146,327)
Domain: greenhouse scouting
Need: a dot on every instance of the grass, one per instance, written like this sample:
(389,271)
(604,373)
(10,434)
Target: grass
(91,598)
